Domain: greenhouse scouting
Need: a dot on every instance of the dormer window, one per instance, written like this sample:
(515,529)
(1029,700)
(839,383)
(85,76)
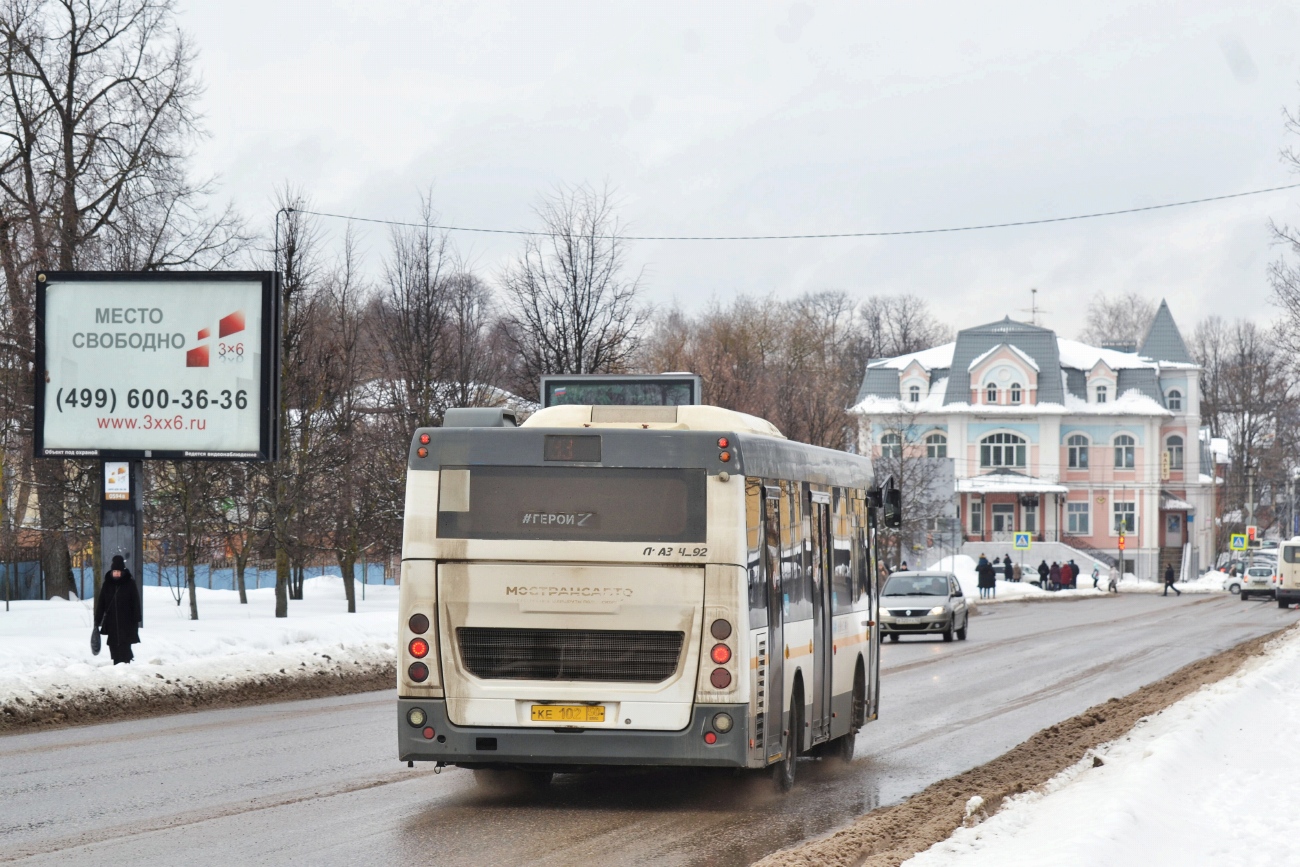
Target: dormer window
(914,394)
(991,394)
(1015,392)
(1101,394)
(1176,401)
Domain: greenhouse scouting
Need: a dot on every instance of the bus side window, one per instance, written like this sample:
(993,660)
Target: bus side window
(794,595)
(842,558)
(754,553)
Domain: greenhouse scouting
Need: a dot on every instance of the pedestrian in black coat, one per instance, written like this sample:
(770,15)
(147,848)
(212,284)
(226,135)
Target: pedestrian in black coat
(1169,582)
(1043,572)
(117,611)
(1007,571)
(987,577)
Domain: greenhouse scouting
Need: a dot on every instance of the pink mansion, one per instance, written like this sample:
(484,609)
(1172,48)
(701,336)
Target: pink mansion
(1066,441)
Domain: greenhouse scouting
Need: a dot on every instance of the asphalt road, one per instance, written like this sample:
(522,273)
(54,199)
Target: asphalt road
(317,782)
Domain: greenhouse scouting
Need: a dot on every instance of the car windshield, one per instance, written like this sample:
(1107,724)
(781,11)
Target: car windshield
(1260,571)
(916,585)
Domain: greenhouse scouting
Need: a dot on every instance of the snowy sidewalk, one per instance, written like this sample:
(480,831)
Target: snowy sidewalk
(45,653)
(963,567)
(1210,780)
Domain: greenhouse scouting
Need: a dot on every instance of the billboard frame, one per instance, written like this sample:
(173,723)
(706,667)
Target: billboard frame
(269,407)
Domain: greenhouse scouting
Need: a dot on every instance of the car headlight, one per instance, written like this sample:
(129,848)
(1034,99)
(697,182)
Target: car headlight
(937,610)
(882,612)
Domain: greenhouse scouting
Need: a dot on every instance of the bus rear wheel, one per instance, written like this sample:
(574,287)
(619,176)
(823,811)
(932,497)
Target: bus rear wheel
(783,771)
(502,781)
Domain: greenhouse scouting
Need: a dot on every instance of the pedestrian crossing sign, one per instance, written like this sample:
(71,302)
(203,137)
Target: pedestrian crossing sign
(1022,541)
(1237,542)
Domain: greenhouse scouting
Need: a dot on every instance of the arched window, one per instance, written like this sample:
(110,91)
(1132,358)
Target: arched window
(1174,446)
(1077,448)
(914,394)
(1124,452)
(891,446)
(1002,450)
(936,446)
(991,394)
(1175,400)
(1015,392)
(1101,394)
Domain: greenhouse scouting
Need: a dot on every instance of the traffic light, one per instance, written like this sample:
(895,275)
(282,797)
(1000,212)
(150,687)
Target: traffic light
(1252,537)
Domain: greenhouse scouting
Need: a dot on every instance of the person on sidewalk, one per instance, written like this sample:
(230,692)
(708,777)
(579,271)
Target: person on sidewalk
(987,577)
(1008,572)
(1016,573)
(1169,581)
(1043,572)
(1054,577)
(1096,575)
(1112,585)
(117,611)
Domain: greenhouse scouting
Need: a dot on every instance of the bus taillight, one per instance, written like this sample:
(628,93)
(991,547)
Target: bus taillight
(721,654)
(419,624)
(419,672)
(419,648)
(720,678)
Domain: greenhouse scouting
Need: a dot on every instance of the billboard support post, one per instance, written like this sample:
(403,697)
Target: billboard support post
(121,521)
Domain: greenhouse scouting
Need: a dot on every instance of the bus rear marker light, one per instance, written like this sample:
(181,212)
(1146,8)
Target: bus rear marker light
(710,738)
(720,678)
(419,648)
(724,457)
(428,733)
(720,629)
(723,442)
(424,439)
(418,672)
(721,654)
(419,624)
(422,452)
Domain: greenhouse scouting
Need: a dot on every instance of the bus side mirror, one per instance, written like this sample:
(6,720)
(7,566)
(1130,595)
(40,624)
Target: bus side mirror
(893,508)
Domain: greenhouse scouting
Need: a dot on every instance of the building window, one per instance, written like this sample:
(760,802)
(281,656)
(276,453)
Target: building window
(991,394)
(1077,452)
(1174,445)
(1124,452)
(914,394)
(1076,518)
(891,446)
(1002,450)
(1031,517)
(936,446)
(1015,392)
(1101,394)
(1176,400)
(977,516)
(1125,517)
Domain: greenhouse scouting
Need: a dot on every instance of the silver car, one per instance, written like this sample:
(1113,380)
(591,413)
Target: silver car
(915,603)
(1258,581)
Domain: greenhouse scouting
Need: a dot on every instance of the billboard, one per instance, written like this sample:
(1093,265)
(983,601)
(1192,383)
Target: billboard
(157,365)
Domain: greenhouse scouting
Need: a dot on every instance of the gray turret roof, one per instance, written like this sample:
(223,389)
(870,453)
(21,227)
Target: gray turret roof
(1164,342)
(1035,342)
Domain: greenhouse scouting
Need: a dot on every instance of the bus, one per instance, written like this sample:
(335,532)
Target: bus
(1288,573)
(623,585)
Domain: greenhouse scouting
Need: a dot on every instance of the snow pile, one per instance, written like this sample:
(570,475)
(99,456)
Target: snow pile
(1195,784)
(963,567)
(45,645)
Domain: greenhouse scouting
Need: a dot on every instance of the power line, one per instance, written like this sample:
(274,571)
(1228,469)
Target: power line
(825,235)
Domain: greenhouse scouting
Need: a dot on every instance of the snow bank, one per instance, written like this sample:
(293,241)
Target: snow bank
(963,567)
(45,645)
(1199,783)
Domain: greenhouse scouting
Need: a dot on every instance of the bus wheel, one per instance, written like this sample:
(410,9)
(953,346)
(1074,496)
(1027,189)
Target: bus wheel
(500,781)
(783,771)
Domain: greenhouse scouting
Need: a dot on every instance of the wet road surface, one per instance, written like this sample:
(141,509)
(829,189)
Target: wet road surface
(317,782)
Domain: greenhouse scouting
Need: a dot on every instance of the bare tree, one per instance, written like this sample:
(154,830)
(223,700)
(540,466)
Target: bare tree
(892,325)
(1119,319)
(96,115)
(925,482)
(570,307)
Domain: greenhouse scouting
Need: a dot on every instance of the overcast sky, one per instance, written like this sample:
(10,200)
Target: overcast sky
(776,118)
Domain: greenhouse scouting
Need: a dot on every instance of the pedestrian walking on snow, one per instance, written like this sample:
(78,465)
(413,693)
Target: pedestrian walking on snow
(1169,582)
(987,577)
(1112,585)
(1007,572)
(1096,575)
(1016,573)
(117,611)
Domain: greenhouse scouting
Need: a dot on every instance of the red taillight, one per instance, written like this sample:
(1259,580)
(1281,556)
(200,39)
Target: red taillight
(418,672)
(724,457)
(723,442)
(424,439)
(720,678)
(710,738)
(721,654)
(422,452)
(419,648)
(428,733)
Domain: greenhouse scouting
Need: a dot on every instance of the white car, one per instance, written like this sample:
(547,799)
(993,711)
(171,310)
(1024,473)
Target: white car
(1257,581)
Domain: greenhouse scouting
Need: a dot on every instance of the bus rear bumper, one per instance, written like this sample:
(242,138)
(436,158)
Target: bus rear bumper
(559,748)
(1289,597)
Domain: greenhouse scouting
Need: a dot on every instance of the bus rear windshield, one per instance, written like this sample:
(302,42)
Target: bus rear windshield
(599,504)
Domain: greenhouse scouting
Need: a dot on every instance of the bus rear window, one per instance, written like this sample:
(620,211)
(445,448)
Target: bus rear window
(1291,554)
(600,504)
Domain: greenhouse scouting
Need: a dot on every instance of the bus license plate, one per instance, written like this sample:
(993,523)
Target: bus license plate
(569,713)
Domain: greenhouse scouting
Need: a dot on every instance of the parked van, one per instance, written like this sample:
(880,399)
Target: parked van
(1288,573)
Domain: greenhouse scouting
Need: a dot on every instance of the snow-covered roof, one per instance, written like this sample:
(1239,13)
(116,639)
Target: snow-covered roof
(1085,357)
(1130,403)
(1006,482)
(934,357)
(1170,501)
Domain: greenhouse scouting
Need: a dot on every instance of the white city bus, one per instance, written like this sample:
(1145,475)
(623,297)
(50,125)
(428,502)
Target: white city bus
(1288,573)
(633,585)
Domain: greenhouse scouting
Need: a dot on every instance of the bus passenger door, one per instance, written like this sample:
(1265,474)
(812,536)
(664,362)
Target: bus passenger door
(774,724)
(820,512)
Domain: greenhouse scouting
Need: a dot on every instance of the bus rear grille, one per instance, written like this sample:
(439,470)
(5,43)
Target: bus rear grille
(570,654)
